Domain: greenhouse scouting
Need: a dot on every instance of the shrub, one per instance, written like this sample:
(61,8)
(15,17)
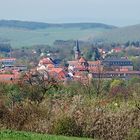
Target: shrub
(134,134)
(67,126)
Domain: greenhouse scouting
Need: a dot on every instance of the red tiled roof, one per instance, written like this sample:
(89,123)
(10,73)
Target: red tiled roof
(7,77)
(8,59)
(57,73)
(94,62)
(57,70)
(117,49)
(50,66)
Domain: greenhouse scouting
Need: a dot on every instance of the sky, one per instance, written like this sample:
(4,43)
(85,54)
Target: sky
(113,12)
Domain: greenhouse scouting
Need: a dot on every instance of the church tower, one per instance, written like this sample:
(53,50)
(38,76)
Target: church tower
(77,51)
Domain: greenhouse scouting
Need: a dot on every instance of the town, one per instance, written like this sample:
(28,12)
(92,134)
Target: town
(69,70)
(79,69)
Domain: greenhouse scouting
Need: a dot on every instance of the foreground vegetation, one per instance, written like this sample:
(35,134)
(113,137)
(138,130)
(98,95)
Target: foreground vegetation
(108,110)
(14,135)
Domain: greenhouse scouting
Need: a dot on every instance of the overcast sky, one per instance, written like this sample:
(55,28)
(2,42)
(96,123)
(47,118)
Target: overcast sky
(115,12)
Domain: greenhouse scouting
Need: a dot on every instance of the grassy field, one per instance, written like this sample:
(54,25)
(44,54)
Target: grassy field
(13,135)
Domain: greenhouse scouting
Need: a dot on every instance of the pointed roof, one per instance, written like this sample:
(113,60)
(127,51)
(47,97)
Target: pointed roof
(82,60)
(77,48)
(77,45)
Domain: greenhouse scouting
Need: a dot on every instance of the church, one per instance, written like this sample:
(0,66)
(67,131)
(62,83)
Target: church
(81,64)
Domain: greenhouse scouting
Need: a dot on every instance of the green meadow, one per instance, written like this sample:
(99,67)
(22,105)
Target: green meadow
(14,135)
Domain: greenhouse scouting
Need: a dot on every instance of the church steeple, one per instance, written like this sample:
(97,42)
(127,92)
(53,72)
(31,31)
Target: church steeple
(77,46)
(77,51)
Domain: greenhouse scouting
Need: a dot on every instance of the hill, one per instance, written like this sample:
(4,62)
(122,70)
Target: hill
(22,33)
(120,35)
(41,25)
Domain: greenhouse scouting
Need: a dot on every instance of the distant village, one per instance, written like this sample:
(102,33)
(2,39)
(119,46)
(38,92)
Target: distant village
(80,69)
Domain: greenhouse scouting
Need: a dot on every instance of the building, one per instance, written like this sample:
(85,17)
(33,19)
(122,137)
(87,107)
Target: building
(116,74)
(7,62)
(116,50)
(57,73)
(53,70)
(83,65)
(118,64)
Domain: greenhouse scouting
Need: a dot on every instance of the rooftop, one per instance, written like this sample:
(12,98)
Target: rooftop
(116,59)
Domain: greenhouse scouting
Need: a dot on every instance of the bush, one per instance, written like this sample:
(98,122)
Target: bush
(134,134)
(67,126)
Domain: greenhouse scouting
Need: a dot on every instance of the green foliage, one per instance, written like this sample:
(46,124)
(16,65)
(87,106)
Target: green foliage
(14,135)
(93,54)
(67,126)
(11,92)
(116,83)
(134,80)
(136,62)
(134,134)
(106,85)
(74,109)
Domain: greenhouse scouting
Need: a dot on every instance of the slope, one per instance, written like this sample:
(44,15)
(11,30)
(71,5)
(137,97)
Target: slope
(20,34)
(120,35)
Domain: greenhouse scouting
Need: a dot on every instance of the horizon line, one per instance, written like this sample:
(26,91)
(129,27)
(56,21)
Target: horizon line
(67,22)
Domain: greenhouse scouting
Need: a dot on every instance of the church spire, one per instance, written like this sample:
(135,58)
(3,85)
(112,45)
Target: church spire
(77,46)
(77,50)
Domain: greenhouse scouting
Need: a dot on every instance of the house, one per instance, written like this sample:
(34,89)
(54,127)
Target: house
(57,73)
(51,67)
(103,52)
(45,61)
(116,50)
(9,77)
(7,62)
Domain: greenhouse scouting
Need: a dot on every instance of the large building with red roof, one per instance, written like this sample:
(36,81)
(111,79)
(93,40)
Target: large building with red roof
(83,65)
